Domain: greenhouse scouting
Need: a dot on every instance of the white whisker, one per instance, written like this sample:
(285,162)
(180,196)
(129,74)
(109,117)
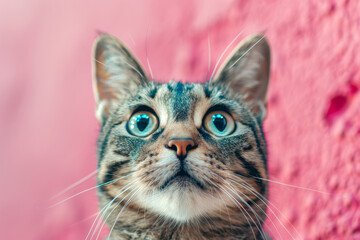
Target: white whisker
(123,208)
(241,209)
(255,213)
(269,202)
(246,52)
(151,72)
(74,184)
(286,184)
(147,56)
(258,226)
(106,207)
(248,188)
(131,39)
(209,55)
(84,191)
(222,54)
(127,186)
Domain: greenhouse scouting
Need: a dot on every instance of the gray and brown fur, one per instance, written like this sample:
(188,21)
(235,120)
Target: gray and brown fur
(230,199)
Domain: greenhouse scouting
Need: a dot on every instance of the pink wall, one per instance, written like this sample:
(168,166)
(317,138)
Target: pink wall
(48,130)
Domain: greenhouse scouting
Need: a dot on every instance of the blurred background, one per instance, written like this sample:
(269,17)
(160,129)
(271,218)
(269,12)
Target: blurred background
(48,130)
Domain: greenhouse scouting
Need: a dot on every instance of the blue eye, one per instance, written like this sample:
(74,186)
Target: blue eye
(219,123)
(142,124)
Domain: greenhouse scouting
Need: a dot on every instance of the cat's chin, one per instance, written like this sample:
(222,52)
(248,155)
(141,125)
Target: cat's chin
(181,181)
(181,202)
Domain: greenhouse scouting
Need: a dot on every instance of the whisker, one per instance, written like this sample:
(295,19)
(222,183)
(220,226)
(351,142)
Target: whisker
(246,52)
(96,220)
(151,72)
(103,210)
(209,55)
(255,213)
(101,225)
(160,215)
(123,208)
(84,219)
(257,194)
(131,39)
(269,202)
(258,226)
(107,207)
(74,184)
(289,185)
(84,191)
(241,209)
(227,211)
(286,184)
(147,56)
(222,54)
(248,188)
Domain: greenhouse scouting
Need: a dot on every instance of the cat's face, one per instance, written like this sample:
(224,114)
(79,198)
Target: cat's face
(181,151)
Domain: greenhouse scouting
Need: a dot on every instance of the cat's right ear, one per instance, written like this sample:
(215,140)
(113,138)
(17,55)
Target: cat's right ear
(246,72)
(116,74)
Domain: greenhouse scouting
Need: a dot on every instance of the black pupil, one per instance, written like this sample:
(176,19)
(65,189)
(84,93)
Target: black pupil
(219,122)
(142,121)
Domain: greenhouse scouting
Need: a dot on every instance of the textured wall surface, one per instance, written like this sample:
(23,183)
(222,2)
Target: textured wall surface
(48,130)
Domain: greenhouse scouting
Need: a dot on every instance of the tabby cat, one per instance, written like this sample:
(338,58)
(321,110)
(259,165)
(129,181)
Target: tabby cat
(182,160)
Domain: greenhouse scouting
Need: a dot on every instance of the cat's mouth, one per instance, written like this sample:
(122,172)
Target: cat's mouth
(182,178)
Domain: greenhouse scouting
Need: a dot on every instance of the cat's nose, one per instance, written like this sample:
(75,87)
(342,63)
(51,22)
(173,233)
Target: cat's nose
(181,145)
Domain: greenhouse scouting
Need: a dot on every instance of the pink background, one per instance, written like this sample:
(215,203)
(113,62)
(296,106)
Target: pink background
(48,130)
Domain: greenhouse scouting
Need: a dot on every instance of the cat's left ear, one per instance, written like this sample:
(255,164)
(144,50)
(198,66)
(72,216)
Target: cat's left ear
(246,72)
(117,74)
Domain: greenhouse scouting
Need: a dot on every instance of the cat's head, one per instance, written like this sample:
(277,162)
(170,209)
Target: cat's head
(181,151)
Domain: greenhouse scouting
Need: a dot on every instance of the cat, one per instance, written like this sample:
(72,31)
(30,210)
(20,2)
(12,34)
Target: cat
(182,160)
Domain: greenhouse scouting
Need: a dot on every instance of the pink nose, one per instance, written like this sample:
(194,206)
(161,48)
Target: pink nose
(181,145)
